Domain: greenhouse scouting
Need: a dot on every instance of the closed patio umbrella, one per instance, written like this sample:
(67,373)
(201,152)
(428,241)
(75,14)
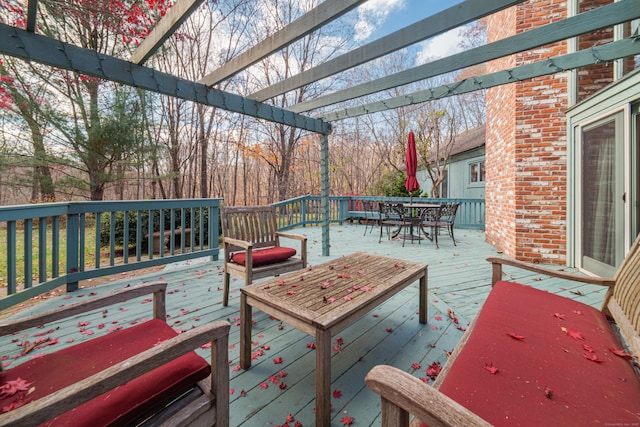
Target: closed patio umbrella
(411,158)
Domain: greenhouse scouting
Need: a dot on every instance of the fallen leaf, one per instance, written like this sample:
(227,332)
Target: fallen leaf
(559,316)
(620,353)
(573,334)
(12,387)
(592,357)
(492,369)
(434,370)
(337,394)
(588,348)
(277,360)
(347,421)
(515,337)
(415,366)
(548,392)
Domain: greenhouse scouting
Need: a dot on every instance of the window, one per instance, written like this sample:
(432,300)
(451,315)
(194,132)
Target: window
(476,172)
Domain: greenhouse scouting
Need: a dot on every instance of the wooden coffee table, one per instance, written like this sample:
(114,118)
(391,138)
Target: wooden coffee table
(323,300)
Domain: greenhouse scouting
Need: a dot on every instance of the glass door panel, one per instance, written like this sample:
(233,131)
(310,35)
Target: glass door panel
(602,195)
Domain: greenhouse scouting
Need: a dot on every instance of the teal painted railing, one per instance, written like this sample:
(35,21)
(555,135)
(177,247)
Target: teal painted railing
(307,211)
(157,232)
(178,230)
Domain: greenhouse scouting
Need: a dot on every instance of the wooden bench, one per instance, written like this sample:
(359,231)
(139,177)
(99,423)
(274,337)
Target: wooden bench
(532,358)
(252,245)
(146,374)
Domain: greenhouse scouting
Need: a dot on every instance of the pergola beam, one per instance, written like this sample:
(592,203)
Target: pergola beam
(602,17)
(32,14)
(32,47)
(583,58)
(325,12)
(439,23)
(176,15)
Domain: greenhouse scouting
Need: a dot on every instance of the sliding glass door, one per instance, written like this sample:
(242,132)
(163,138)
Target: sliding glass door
(601,221)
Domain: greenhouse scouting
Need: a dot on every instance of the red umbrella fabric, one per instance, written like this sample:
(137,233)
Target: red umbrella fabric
(411,183)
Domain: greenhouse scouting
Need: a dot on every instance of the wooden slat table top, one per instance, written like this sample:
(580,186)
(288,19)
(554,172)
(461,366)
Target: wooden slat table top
(323,295)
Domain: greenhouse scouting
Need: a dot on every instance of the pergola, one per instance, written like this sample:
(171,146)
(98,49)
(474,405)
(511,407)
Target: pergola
(30,46)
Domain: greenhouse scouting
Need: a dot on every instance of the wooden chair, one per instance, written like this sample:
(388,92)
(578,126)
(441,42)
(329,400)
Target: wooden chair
(252,245)
(558,386)
(146,374)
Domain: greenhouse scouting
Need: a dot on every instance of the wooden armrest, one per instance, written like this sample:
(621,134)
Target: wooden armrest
(236,242)
(499,261)
(159,309)
(41,410)
(403,394)
(291,236)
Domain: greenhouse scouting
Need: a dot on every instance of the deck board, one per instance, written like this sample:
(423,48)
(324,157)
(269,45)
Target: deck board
(458,280)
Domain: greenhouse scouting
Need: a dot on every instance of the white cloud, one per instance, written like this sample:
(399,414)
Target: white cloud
(372,14)
(440,46)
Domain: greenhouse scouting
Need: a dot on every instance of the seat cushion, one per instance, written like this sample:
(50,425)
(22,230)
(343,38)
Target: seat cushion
(265,256)
(544,373)
(52,372)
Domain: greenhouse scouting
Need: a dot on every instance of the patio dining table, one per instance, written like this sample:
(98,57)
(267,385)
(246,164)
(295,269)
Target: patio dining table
(325,299)
(416,211)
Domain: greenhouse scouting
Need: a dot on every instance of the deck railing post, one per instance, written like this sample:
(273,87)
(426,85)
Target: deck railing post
(73,265)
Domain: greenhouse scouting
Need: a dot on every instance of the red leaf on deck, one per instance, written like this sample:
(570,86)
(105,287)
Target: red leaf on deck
(434,370)
(558,316)
(282,386)
(592,357)
(311,345)
(297,424)
(438,317)
(415,366)
(291,292)
(389,329)
(339,340)
(347,298)
(336,348)
(347,421)
(620,353)
(282,374)
(277,360)
(366,288)
(290,418)
(515,337)
(573,334)
(492,369)
(264,385)
(337,394)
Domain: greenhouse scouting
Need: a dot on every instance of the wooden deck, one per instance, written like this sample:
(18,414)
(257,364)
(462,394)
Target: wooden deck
(459,280)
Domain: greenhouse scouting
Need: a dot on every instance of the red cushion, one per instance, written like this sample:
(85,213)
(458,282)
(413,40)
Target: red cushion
(547,361)
(55,371)
(265,256)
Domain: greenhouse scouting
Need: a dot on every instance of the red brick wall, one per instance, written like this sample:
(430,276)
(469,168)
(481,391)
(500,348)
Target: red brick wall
(500,150)
(526,138)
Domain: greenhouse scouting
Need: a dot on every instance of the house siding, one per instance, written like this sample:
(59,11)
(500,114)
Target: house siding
(526,141)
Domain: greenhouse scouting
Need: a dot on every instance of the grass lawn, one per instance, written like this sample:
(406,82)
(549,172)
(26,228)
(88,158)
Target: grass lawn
(20,255)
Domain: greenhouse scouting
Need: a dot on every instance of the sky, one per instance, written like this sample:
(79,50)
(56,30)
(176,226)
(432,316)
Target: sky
(378,18)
